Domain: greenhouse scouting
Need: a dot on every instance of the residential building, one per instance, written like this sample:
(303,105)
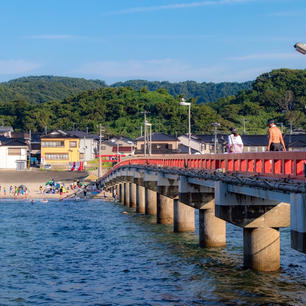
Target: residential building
(89,144)
(13,154)
(161,144)
(60,149)
(118,145)
(6,131)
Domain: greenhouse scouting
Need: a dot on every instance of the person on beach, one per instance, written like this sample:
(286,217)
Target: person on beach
(11,190)
(4,191)
(235,144)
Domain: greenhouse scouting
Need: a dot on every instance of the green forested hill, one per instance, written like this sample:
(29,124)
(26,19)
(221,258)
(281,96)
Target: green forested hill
(279,94)
(203,92)
(38,89)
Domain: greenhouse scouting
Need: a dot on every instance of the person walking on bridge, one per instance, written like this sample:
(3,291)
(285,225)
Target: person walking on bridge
(276,141)
(235,144)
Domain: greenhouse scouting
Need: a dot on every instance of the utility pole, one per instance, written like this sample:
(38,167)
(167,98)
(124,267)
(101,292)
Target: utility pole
(244,121)
(215,125)
(30,147)
(100,141)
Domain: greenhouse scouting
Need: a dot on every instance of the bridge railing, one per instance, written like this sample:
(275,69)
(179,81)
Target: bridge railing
(270,164)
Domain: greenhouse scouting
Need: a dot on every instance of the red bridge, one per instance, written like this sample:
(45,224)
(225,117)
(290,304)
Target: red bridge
(259,192)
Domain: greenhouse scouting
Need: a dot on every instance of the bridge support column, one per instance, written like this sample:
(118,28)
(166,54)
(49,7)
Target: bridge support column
(183,217)
(121,193)
(150,202)
(212,230)
(261,248)
(126,194)
(140,199)
(164,209)
(133,195)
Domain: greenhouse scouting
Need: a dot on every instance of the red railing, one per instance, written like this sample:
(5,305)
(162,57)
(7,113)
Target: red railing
(270,164)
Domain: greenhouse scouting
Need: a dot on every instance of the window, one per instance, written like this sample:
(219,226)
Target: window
(103,147)
(59,156)
(13,151)
(82,155)
(72,144)
(52,144)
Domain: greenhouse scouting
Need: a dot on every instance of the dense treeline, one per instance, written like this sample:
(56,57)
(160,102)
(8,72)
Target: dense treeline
(38,89)
(202,92)
(279,94)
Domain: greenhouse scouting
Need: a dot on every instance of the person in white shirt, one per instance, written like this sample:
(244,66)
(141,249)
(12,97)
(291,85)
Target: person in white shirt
(235,144)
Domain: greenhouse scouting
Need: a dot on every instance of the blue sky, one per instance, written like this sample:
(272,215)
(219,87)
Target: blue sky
(174,40)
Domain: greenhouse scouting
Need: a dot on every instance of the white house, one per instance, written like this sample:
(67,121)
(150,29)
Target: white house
(88,144)
(13,154)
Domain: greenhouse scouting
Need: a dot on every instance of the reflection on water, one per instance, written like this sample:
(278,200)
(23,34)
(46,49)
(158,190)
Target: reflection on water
(89,253)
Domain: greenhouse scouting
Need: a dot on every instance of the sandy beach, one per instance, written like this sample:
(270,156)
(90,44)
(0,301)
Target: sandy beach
(35,178)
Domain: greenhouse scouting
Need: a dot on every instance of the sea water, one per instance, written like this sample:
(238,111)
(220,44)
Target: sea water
(90,253)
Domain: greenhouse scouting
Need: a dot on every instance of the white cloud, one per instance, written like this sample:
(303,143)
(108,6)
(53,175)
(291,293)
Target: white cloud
(50,37)
(167,69)
(266,56)
(17,67)
(176,6)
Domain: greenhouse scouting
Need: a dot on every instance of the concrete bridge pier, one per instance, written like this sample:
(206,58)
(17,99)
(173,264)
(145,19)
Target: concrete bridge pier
(140,199)
(212,230)
(150,184)
(298,221)
(133,195)
(183,217)
(164,209)
(260,219)
(261,248)
(126,194)
(121,193)
(150,202)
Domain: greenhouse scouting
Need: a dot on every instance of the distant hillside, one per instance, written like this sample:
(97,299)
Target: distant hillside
(39,89)
(279,94)
(203,92)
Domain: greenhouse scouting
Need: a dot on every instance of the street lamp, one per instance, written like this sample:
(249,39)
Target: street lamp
(184,103)
(150,136)
(300,47)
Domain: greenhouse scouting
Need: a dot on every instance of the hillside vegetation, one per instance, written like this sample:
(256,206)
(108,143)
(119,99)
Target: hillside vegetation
(202,92)
(39,89)
(279,94)
(45,88)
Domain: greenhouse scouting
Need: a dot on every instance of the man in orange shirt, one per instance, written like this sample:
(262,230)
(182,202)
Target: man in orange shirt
(276,141)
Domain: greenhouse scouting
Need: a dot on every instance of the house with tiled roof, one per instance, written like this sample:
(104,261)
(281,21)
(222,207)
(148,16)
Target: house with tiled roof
(161,143)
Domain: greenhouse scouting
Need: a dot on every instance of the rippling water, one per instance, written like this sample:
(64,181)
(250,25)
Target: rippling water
(89,253)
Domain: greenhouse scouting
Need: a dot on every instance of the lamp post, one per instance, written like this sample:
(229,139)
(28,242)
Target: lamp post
(150,136)
(145,131)
(184,103)
(300,47)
